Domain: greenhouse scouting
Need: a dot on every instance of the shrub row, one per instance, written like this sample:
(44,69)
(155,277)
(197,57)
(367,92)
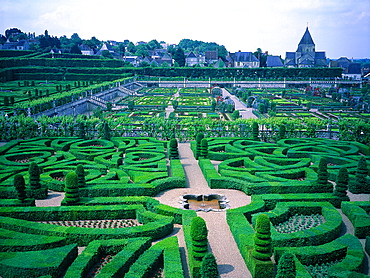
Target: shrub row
(37,263)
(358,214)
(126,252)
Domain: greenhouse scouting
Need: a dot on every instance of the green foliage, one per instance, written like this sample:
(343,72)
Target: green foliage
(80,175)
(342,184)
(255,131)
(106,131)
(286,266)
(174,153)
(20,186)
(203,148)
(198,139)
(262,239)
(360,184)
(71,188)
(208,268)
(34,173)
(198,230)
(322,173)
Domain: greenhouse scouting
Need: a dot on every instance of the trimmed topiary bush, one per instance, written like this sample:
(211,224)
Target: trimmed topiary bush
(208,268)
(360,184)
(322,172)
(174,153)
(34,172)
(286,267)
(262,239)
(198,139)
(199,233)
(204,148)
(342,184)
(20,186)
(71,188)
(255,131)
(80,171)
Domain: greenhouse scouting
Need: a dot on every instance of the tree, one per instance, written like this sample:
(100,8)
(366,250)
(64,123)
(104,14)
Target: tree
(131,47)
(322,172)
(179,56)
(71,189)
(34,173)
(75,38)
(282,132)
(82,130)
(80,171)
(341,184)
(208,268)
(20,186)
(174,153)
(175,104)
(199,233)
(130,105)
(286,267)
(75,49)
(262,249)
(142,50)
(154,44)
(12,31)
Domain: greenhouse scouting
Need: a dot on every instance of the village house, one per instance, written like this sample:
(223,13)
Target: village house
(243,60)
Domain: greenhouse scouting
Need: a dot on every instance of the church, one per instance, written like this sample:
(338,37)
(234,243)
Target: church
(305,56)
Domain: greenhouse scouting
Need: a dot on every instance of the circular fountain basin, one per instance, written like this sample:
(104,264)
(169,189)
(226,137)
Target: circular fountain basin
(204,202)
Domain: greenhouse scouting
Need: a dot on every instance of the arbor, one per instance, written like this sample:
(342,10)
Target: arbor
(208,268)
(286,267)
(34,172)
(71,189)
(342,184)
(199,233)
(262,249)
(20,186)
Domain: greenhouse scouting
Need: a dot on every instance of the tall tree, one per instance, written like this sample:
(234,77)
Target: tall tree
(179,56)
(75,49)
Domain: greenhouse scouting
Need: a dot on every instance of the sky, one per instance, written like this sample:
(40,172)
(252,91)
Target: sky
(339,27)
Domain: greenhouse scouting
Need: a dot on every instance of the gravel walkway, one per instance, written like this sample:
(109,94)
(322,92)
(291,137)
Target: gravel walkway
(245,112)
(221,242)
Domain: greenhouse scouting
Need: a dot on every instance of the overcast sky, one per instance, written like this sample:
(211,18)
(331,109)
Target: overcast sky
(339,27)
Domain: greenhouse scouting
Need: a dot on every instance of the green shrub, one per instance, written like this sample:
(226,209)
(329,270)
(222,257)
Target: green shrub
(80,175)
(208,268)
(286,267)
(71,189)
(20,186)
(174,153)
(341,186)
(262,239)
(34,172)
(360,184)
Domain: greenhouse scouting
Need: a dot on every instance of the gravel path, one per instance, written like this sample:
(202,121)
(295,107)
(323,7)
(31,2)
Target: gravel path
(245,112)
(221,241)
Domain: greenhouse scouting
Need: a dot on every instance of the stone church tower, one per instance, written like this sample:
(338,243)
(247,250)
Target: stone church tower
(306,56)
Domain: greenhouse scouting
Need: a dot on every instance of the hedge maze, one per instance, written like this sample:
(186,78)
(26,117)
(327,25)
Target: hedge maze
(284,179)
(109,224)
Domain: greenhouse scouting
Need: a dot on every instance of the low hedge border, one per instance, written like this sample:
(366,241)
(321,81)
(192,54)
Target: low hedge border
(318,235)
(358,214)
(155,226)
(12,241)
(37,263)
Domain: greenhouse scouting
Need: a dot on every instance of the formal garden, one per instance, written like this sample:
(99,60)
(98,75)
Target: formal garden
(79,194)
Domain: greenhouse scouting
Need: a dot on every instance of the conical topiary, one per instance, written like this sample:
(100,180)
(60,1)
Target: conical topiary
(322,172)
(80,171)
(198,139)
(359,184)
(174,153)
(255,131)
(106,131)
(71,188)
(34,173)
(286,267)
(199,233)
(20,186)
(342,184)
(282,132)
(262,239)
(203,148)
(208,268)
